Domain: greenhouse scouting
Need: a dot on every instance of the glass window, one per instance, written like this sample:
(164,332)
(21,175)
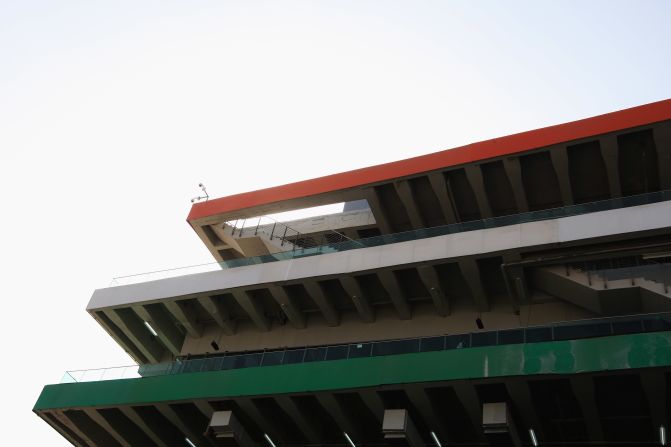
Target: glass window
(336,352)
(315,354)
(294,356)
(272,358)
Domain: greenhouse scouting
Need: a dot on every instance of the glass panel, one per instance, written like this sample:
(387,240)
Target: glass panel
(511,336)
(483,339)
(395,347)
(538,334)
(337,352)
(457,341)
(627,327)
(432,344)
(294,356)
(359,350)
(272,358)
(581,331)
(315,354)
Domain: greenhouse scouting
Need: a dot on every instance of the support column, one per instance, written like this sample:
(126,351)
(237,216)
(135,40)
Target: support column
(288,306)
(560,163)
(130,324)
(219,313)
(662,137)
(514,173)
(583,389)
(156,315)
(474,176)
(393,288)
(253,309)
(405,193)
(429,277)
(609,152)
(440,188)
(303,419)
(471,271)
(381,218)
(360,300)
(331,315)
(185,317)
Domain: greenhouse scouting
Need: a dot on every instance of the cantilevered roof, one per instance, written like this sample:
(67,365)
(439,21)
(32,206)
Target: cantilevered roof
(497,147)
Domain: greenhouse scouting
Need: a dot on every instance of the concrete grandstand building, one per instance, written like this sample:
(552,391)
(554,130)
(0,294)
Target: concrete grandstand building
(512,292)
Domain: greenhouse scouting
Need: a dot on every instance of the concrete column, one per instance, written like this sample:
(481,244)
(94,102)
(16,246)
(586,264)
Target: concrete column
(474,176)
(662,137)
(130,324)
(514,173)
(405,193)
(329,312)
(253,309)
(186,317)
(219,313)
(560,163)
(583,389)
(288,306)
(359,299)
(156,315)
(303,419)
(471,271)
(393,288)
(429,277)
(609,152)
(381,218)
(440,188)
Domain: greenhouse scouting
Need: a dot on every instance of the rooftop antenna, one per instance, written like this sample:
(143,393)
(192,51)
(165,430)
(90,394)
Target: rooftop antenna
(199,198)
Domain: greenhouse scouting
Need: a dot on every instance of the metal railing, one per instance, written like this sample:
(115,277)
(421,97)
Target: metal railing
(569,330)
(350,244)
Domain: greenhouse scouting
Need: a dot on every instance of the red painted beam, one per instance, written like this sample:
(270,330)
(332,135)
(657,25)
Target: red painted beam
(497,147)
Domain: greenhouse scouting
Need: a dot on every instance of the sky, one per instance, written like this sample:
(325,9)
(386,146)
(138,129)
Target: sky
(111,113)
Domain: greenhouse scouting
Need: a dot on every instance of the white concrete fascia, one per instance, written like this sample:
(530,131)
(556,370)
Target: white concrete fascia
(566,229)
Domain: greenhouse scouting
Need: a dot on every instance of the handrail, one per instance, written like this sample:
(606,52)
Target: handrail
(350,244)
(564,330)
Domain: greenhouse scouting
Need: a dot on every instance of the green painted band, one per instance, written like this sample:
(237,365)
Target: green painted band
(558,357)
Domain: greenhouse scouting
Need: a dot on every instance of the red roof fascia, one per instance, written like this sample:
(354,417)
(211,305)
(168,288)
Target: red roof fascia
(497,147)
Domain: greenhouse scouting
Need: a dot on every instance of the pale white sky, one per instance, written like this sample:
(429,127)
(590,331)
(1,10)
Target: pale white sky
(111,113)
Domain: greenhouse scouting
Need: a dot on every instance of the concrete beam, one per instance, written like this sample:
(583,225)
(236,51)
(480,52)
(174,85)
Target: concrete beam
(134,328)
(122,339)
(100,420)
(440,188)
(253,309)
(654,385)
(345,420)
(469,399)
(560,163)
(186,317)
(583,389)
(194,434)
(474,176)
(374,403)
(420,400)
(305,421)
(514,173)
(381,218)
(167,332)
(225,424)
(328,310)
(360,300)
(429,277)
(268,424)
(54,423)
(130,413)
(219,313)
(519,392)
(393,288)
(609,153)
(469,268)
(60,416)
(662,137)
(288,306)
(407,196)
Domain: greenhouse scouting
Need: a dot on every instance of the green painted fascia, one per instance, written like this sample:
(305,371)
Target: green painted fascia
(558,357)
